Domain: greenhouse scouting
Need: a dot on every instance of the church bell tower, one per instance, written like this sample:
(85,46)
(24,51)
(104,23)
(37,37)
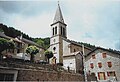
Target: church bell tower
(59,32)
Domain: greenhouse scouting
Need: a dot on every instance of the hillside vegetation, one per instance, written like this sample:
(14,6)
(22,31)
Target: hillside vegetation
(44,42)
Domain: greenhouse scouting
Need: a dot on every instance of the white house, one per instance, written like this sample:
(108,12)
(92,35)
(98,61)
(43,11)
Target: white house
(104,63)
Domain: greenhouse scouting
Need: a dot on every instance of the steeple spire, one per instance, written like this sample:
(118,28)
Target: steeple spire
(58,15)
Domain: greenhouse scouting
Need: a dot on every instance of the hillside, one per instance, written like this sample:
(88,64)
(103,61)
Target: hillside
(12,32)
(44,42)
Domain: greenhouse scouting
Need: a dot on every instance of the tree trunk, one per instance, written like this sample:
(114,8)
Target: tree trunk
(32,58)
(48,60)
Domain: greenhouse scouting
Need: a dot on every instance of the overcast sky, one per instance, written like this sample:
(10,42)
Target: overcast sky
(92,21)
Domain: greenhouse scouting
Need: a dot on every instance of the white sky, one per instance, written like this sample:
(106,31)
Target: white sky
(92,21)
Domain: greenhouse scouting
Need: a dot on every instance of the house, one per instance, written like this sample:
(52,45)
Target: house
(73,62)
(38,56)
(20,45)
(104,63)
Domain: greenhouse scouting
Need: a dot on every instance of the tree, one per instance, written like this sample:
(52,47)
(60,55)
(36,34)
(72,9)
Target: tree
(1,30)
(4,45)
(48,54)
(40,42)
(32,50)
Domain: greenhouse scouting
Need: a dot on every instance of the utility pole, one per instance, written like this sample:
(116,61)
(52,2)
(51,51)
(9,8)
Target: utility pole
(85,74)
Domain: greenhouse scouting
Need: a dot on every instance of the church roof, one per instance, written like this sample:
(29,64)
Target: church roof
(76,43)
(109,50)
(31,42)
(2,35)
(58,16)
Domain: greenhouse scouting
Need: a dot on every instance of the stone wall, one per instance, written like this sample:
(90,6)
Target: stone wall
(39,75)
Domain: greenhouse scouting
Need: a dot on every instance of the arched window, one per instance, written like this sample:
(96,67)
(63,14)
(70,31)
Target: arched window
(55,30)
(61,30)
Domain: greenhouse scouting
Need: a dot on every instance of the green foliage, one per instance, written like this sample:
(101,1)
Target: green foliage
(48,54)
(43,42)
(40,42)
(88,45)
(32,50)
(6,44)
(10,31)
(1,30)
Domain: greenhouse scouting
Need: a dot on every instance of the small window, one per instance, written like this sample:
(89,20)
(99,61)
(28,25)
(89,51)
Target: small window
(54,40)
(54,48)
(55,30)
(111,73)
(93,56)
(104,55)
(99,64)
(91,65)
(74,50)
(109,64)
(61,30)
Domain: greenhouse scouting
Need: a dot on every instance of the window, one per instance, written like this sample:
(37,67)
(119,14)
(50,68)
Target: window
(61,31)
(6,77)
(101,76)
(54,48)
(54,40)
(93,56)
(55,30)
(91,65)
(74,50)
(109,64)
(111,73)
(104,55)
(99,64)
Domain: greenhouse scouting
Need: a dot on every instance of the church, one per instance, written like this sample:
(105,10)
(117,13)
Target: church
(103,63)
(66,52)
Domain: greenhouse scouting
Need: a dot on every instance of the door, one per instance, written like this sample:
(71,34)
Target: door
(101,76)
